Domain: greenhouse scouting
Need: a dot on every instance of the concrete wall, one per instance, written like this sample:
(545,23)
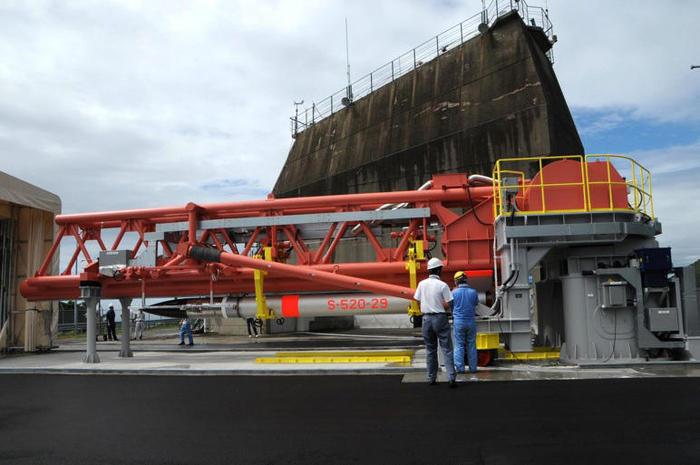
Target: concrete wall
(493,97)
(229,326)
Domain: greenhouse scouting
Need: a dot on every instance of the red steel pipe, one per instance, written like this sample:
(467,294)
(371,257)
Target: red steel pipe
(168,283)
(322,202)
(306,273)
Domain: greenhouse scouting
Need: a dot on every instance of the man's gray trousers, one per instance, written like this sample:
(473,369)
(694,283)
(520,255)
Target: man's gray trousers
(437,327)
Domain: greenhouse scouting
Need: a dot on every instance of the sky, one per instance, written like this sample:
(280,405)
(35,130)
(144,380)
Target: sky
(118,105)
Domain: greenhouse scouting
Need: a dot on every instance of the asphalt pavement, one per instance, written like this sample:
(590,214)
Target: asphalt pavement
(361,419)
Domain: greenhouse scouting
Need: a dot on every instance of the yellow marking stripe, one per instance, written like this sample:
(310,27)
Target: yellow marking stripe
(344,353)
(347,359)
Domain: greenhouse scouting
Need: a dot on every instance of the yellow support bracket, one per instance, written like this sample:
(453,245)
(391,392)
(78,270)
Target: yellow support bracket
(263,313)
(420,253)
(415,253)
(487,341)
(538,353)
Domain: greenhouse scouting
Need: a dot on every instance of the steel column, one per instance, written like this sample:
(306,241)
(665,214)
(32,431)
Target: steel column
(125,350)
(91,294)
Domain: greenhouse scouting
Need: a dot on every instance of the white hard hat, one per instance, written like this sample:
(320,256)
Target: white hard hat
(434,263)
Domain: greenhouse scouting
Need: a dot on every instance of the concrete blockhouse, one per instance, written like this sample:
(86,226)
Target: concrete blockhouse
(27,231)
(492,97)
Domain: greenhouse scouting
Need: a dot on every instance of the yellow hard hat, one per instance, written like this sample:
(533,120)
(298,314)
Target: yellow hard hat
(460,275)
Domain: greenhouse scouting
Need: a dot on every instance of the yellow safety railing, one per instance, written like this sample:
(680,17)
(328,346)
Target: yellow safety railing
(639,194)
(635,178)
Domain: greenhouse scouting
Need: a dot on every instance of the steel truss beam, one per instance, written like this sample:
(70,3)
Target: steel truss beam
(238,230)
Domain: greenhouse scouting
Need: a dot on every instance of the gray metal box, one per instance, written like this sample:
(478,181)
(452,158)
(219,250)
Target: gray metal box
(115,257)
(614,294)
(662,319)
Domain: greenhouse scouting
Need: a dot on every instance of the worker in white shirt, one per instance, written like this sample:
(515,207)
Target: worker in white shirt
(435,300)
(140,323)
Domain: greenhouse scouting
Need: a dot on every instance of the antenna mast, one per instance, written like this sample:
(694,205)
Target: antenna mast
(347,61)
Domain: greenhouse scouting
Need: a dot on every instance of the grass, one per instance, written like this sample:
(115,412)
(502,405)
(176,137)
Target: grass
(70,335)
(73,335)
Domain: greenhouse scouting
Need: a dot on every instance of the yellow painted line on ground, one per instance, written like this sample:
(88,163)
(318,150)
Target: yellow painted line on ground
(343,353)
(340,356)
(337,359)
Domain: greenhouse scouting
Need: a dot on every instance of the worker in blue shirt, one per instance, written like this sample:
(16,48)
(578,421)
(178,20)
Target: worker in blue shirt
(465,300)
(185,329)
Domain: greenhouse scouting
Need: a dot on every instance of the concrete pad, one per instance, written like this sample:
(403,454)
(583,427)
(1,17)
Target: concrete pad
(525,372)
(184,363)
(236,355)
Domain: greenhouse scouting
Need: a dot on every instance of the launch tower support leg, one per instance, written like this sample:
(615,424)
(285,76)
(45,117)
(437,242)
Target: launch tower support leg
(91,295)
(125,350)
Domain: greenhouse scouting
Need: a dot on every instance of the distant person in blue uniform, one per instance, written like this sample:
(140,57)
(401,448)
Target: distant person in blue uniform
(465,300)
(185,328)
(111,324)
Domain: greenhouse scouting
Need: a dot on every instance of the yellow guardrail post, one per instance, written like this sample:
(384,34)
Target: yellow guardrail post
(637,196)
(496,188)
(263,312)
(610,196)
(415,253)
(544,206)
(589,203)
(583,184)
(651,199)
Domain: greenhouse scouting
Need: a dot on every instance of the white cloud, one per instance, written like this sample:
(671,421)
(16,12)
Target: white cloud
(606,122)
(115,105)
(631,54)
(675,161)
(675,171)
